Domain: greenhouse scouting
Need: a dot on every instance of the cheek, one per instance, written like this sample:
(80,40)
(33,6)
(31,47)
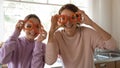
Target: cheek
(26,32)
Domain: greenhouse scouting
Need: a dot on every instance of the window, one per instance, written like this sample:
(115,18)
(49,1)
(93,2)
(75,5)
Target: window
(60,2)
(38,1)
(15,10)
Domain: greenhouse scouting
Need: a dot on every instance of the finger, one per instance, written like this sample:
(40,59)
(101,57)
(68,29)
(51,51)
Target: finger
(44,33)
(42,37)
(20,24)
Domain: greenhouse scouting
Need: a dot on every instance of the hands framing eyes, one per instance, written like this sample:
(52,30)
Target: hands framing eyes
(42,36)
(39,29)
(29,26)
(75,18)
(79,17)
(58,21)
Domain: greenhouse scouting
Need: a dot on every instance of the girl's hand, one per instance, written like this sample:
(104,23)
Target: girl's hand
(42,36)
(85,19)
(19,25)
(54,23)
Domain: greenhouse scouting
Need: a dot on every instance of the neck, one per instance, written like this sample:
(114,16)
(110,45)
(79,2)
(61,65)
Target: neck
(31,40)
(71,33)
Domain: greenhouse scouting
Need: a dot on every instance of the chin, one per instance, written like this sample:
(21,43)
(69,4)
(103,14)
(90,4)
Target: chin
(31,38)
(70,33)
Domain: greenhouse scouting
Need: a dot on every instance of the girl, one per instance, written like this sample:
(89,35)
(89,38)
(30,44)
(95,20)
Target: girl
(25,52)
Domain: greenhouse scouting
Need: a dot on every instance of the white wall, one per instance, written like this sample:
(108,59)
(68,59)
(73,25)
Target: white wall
(102,14)
(107,14)
(116,20)
(1,20)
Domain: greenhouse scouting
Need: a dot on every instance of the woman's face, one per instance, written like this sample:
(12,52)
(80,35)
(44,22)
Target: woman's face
(32,27)
(70,27)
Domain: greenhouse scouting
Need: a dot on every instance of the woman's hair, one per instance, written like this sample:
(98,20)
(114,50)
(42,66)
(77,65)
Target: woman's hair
(32,16)
(70,7)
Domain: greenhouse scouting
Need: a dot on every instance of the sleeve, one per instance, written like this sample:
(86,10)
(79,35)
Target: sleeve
(98,42)
(110,44)
(52,51)
(38,60)
(8,48)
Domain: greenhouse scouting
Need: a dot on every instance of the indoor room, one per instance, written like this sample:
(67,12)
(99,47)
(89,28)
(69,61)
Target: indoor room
(104,13)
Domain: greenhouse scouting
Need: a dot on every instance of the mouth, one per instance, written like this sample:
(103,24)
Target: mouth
(69,26)
(33,34)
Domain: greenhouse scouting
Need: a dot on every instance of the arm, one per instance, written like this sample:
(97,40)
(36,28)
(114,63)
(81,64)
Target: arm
(52,47)
(109,42)
(51,50)
(38,59)
(9,46)
(105,35)
(102,38)
(99,42)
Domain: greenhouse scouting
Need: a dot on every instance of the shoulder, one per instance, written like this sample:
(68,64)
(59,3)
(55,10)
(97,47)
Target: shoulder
(59,32)
(87,29)
(21,39)
(43,45)
(40,44)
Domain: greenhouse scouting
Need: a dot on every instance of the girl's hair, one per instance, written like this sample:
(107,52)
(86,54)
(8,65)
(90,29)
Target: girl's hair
(70,7)
(32,16)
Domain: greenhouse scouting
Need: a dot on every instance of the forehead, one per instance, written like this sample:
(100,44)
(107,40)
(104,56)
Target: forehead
(67,12)
(34,20)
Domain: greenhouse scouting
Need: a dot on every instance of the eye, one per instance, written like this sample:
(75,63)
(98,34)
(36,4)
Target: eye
(28,26)
(77,15)
(62,18)
(73,17)
(37,26)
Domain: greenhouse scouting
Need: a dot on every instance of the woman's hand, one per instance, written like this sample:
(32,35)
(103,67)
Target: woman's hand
(19,25)
(42,35)
(54,23)
(85,19)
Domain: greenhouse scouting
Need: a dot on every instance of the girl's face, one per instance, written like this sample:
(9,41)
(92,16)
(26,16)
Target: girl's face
(70,27)
(32,27)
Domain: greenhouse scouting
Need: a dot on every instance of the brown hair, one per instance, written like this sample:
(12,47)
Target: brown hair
(70,7)
(32,16)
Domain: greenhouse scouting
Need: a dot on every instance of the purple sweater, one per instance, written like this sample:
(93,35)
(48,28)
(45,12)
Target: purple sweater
(22,53)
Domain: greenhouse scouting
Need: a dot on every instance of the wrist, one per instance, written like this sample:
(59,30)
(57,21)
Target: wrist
(16,32)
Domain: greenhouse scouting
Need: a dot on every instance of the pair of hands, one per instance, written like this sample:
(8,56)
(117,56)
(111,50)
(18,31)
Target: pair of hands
(42,33)
(85,19)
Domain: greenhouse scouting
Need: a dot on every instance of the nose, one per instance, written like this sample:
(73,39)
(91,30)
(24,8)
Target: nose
(32,30)
(68,21)
(35,30)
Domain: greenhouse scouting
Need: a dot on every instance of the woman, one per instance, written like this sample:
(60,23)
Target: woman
(75,44)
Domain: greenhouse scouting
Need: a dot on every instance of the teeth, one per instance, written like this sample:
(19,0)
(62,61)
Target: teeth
(32,33)
(69,26)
